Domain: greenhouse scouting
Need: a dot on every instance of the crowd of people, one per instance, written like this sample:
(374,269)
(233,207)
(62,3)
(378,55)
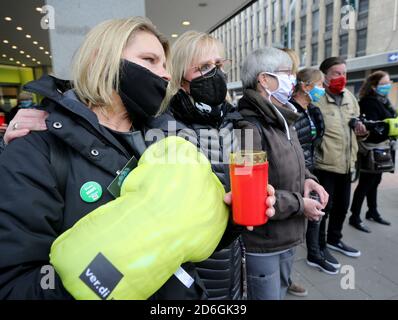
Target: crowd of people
(125,82)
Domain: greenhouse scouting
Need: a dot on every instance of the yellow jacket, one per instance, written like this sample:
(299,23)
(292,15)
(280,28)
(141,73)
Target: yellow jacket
(338,150)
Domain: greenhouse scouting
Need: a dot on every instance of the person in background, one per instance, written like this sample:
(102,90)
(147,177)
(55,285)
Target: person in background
(112,97)
(336,156)
(268,84)
(310,128)
(25,101)
(375,105)
(295,288)
(197,100)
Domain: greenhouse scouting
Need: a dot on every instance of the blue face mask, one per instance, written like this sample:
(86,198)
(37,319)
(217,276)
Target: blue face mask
(26,103)
(384,89)
(316,94)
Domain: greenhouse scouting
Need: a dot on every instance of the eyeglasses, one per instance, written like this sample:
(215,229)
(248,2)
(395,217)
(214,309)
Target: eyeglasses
(208,69)
(289,72)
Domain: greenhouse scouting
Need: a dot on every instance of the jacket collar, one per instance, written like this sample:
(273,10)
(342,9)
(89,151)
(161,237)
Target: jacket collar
(270,113)
(80,127)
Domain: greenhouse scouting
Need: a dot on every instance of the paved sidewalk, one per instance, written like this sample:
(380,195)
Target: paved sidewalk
(376,271)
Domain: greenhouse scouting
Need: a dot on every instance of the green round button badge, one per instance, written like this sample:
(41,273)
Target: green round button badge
(91,191)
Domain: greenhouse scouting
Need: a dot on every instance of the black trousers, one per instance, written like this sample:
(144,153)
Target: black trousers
(367,187)
(339,188)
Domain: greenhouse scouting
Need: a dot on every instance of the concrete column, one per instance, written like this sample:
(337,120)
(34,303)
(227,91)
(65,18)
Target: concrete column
(262,25)
(297,27)
(308,38)
(336,27)
(322,26)
(72,23)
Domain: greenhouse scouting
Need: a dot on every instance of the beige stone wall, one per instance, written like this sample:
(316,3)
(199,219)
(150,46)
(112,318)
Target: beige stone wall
(381,36)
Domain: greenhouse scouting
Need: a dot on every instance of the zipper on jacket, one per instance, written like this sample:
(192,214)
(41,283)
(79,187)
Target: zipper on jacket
(348,158)
(284,122)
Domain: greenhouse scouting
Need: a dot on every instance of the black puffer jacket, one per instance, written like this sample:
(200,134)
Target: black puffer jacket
(376,107)
(34,210)
(213,134)
(307,138)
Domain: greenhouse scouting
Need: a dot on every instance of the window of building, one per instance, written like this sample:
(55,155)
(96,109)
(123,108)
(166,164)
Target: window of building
(315,24)
(293,33)
(245,27)
(314,57)
(328,48)
(343,52)
(303,55)
(252,26)
(303,5)
(303,28)
(362,36)
(363,8)
(362,24)
(283,10)
(329,17)
(266,17)
(274,12)
(273,37)
(258,22)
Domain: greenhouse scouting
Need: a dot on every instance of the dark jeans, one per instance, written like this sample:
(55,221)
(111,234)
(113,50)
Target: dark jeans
(339,188)
(367,187)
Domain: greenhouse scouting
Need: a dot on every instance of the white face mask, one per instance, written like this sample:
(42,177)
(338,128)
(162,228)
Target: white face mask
(285,87)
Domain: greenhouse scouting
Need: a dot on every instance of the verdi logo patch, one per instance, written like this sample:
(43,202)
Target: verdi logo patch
(101,276)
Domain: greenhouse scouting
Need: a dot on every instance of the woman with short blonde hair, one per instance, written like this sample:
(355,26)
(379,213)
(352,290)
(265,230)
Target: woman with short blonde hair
(56,177)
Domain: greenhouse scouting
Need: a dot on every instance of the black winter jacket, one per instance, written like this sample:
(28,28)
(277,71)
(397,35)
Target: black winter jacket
(33,209)
(213,135)
(376,107)
(302,126)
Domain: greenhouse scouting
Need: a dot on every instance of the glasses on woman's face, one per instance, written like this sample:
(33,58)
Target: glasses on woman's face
(383,83)
(209,69)
(289,72)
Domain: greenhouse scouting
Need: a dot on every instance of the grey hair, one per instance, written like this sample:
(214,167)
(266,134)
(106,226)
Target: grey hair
(263,60)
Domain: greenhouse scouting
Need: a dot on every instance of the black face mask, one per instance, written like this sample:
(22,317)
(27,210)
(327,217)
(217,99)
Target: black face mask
(209,90)
(141,90)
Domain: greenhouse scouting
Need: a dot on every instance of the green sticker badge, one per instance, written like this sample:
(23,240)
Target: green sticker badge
(91,191)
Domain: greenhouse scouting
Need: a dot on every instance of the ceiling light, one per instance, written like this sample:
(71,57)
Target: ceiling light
(7,18)
(11,59)
(35,42)
(27,56)
(18,62)
(23,65)
(4,56)
(186,23)
(47,52)
(21,52)
(33,59)
(41,48)
(38,62)
(19,28)
(39,9)
(51,57)
(28,36)
(5,41)
(174,35)
(14,47)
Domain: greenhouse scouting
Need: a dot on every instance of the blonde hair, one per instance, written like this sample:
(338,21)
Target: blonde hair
(189,48)
(308,76)
(295,59)
(95,67)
